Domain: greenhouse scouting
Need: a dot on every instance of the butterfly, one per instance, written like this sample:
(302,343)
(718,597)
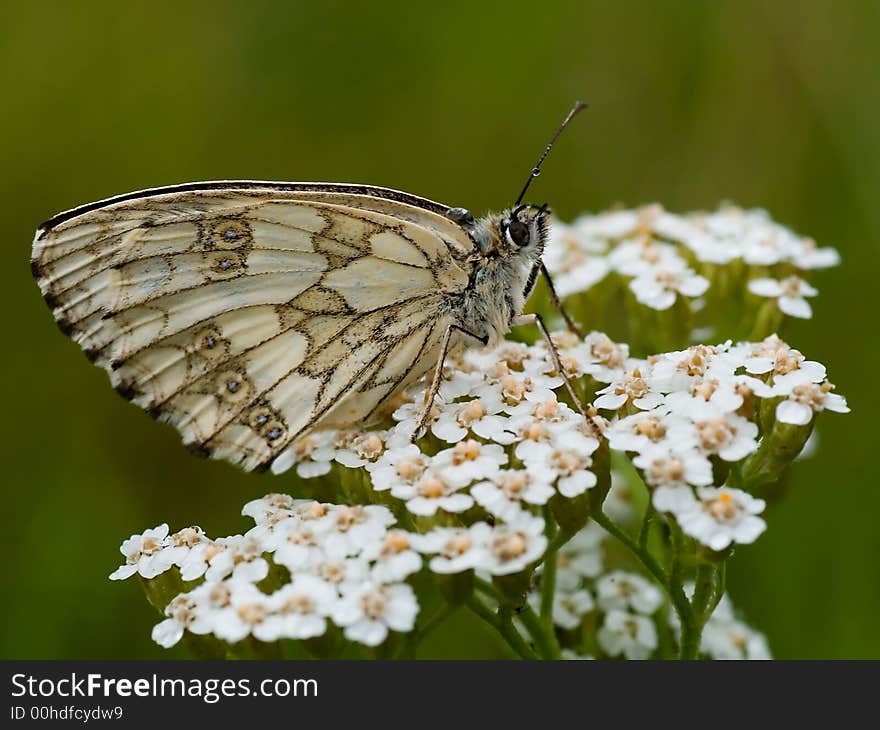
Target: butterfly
(247,314)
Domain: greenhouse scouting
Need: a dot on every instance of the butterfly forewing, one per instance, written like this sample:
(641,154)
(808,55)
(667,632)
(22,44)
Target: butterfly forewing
(246,314)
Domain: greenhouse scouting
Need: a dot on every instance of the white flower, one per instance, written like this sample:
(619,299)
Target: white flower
(629,634)
(296,544)
(812,257)
(729,436)
(658,286)
(455,549)
(400,465)
(267,508)
(246,610)
(312,455)
(565,461)
(665,467)
(707,397)
(187,611)
(345,573)
(646,429)
(509,492)
(806,399)
(355,528)
(514,546)
(516,387)
(575,258)
(167,633)
(196,562)
(629,388)
(394,557)
(608,224)
(242,558)
(581,557)
(468,461)
(430,493)
(639,256)
(772,355)
(790,294)
(149,554)
(298,610)
(618,504)
(627,591)
(679,370)
(569,608)
(480,416)
(605,359)
(355,448)
(731,639)
(368,611)
(719,517)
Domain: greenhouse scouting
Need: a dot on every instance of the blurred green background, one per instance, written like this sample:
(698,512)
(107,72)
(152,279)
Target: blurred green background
(769,104)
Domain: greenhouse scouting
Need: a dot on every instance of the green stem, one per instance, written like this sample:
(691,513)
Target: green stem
(514,638)
(548,646)
(486,588)
(704,589)
(671,583)
(720,581)
(548,576)
(645,557)
(503,626)
(645,529)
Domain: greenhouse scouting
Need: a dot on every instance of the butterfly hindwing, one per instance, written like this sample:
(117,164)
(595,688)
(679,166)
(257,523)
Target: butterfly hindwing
(247,314)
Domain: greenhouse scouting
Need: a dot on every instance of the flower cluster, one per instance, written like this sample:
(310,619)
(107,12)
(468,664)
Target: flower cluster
(499,441)
(661,254)
(344,564)
(531,457)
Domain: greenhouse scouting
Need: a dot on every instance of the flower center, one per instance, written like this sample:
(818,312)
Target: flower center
(457,545)
(348,517)
(535,431)
(716,433)
(548,410)
(219,596)
(469,412)
(298,603)
(395,542)
(513,484)
(605,352)
(666,471)
(368,446)
(567,462)
(432,486)
(651,427)
(466,451)
(252,613)
(723,507)
(514,390)
(374,604)
(411,469)
(509,546)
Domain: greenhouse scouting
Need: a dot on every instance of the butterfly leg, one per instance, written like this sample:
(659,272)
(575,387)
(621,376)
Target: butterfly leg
(557,302)
(538,321)
(437,378)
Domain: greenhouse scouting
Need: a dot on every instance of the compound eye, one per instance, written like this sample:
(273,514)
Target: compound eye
(518,232)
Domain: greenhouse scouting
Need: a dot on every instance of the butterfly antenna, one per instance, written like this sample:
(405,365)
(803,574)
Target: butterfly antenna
(536,170)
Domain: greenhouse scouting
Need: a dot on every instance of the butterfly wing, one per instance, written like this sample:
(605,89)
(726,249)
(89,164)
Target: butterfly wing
(246,314)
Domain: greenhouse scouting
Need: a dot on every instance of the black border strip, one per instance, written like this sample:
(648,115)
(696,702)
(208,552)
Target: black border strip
(266,185)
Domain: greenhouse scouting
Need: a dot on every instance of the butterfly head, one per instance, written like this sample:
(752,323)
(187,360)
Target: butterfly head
(518,232)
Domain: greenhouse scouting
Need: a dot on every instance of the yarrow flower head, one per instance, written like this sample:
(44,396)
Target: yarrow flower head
(508,501)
